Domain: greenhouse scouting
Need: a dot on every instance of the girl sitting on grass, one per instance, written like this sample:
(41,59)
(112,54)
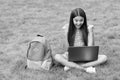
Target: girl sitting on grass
(79,33)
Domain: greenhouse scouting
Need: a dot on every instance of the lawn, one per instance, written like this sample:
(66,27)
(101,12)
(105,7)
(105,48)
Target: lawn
(22,20)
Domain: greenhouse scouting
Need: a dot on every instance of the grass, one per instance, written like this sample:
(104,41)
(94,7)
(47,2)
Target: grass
(21,20)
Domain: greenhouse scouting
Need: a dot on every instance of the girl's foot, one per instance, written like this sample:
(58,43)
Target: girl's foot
(90,70)
(66,68)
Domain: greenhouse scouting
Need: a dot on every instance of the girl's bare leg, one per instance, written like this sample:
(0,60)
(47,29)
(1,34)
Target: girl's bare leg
(63,60)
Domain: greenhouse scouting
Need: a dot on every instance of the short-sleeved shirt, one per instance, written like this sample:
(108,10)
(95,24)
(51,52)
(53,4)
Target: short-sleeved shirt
(78,39)
(78,36)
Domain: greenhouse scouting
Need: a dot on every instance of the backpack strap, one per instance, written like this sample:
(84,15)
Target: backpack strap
(29,46)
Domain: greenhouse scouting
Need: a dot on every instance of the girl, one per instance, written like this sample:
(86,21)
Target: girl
(78,34)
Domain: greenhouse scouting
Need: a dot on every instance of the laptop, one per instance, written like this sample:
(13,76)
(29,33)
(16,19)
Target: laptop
(83,53)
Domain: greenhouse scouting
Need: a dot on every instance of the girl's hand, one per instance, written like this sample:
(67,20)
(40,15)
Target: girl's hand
(90,28)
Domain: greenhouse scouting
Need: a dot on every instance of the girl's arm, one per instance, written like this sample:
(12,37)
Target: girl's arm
(90,35)
(65,28)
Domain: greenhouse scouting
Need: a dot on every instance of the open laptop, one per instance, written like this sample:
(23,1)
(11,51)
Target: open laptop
(83,53)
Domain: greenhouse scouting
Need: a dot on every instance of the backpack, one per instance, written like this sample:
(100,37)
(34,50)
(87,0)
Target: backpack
(39,50)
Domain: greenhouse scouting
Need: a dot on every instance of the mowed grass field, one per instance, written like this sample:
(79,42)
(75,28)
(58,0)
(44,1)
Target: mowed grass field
(22,20)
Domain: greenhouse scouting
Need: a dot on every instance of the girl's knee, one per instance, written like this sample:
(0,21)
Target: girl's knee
(103,57)
(57,57)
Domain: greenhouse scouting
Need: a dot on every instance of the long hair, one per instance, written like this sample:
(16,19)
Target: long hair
(72,28)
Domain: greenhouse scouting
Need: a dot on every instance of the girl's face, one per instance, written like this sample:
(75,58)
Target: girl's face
(78,21)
